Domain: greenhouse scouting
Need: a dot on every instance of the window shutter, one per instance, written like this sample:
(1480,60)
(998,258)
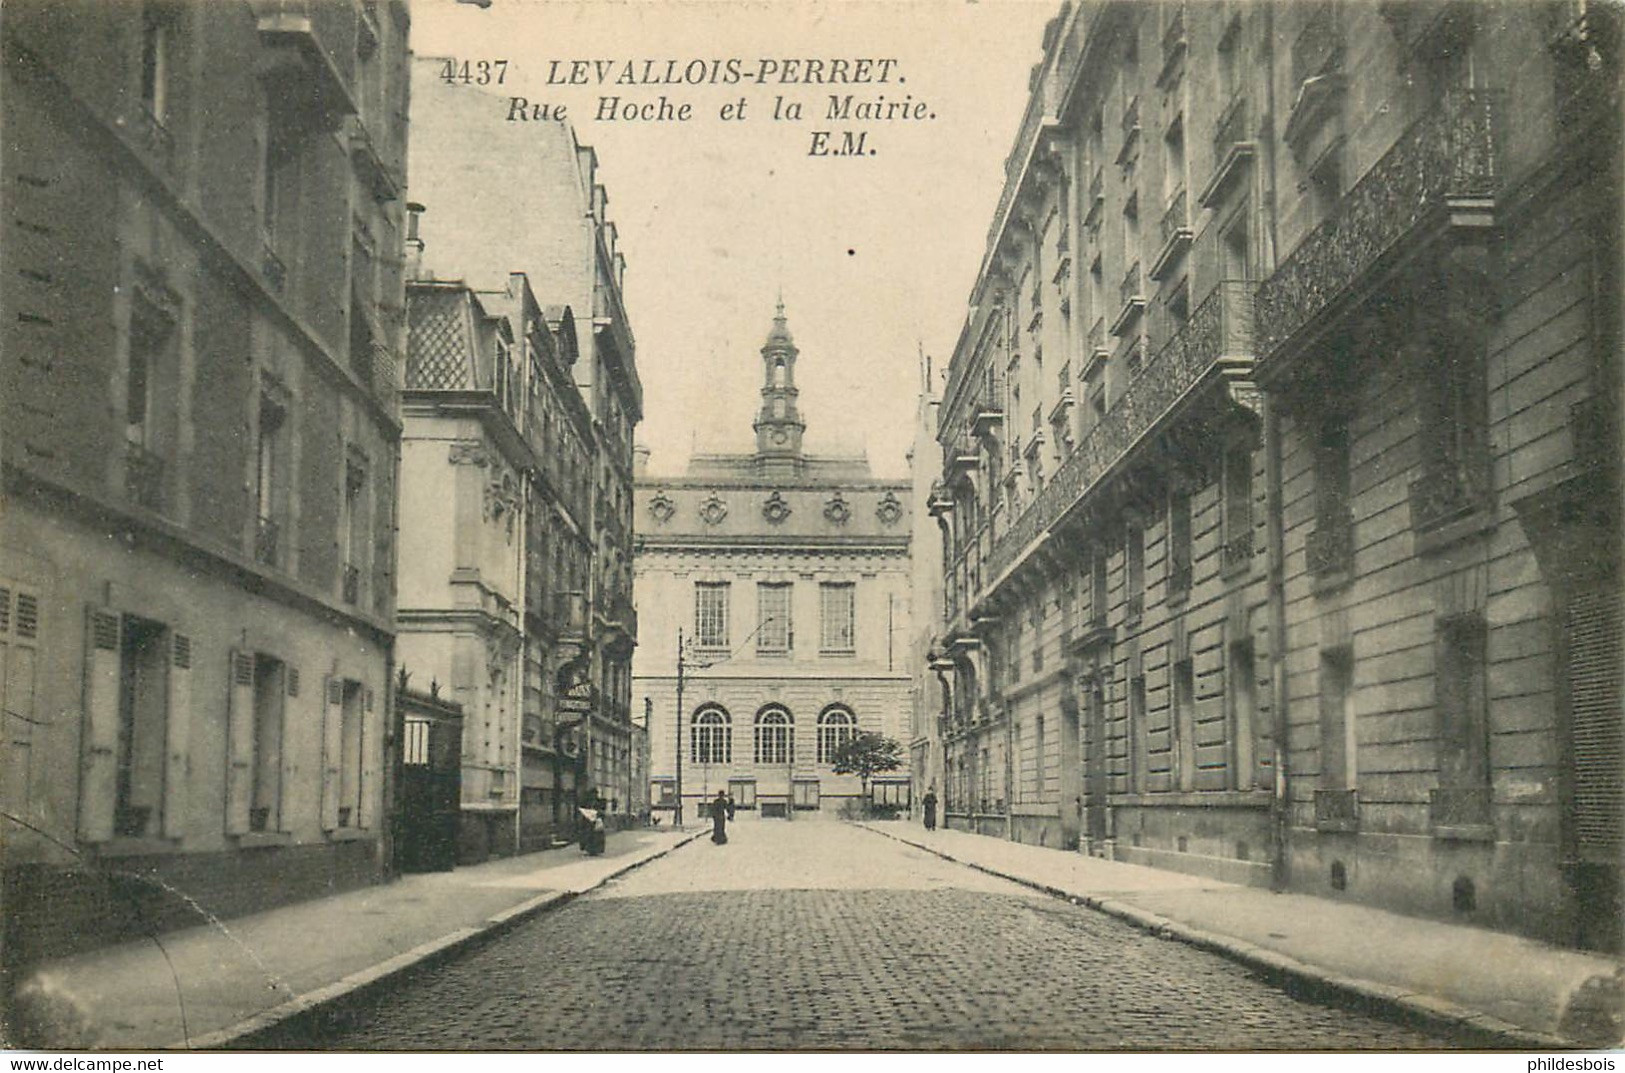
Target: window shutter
(1594,638)
(98,779)
(239,742)
(369,761)
(19,659)
(180,726)
(289,767)
(332,750)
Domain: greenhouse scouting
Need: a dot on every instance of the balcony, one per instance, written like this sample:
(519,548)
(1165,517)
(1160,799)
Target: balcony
(569,617)
(1439,177)
(309,55)
(1237,553)
(1215,345)
(618,615)
(1446,493)
(1131,129)
(1337,810)
(267,537)
(1462,812)
(961,456)
(1097,349)
(1318,51)
(1173,47)
(367,158)
(1131,299)
(1097,198)
(940,502)
(1233,150)
(1180,576)
(144,477)
(1329,550)
(1176,235)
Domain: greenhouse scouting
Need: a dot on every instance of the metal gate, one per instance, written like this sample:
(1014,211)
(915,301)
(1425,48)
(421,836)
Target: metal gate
(431,751)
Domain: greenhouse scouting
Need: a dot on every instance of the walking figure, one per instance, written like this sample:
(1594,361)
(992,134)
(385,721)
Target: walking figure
(719,819)
(930,803)
(731,808)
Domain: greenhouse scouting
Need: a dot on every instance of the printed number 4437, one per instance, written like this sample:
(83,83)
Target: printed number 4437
(475,72)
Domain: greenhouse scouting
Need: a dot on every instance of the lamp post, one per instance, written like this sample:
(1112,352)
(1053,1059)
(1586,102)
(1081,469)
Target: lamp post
(677,736)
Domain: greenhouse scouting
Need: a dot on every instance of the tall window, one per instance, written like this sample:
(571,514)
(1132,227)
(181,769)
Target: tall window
(1098,592)
(1336,719)
(773,736)
(711,741)
(350,742)
(143,721)
(1462,704)
(838,601)
(1238,505)
(1184,724)
(836,727)
(1243,689)
(1179,543)
(157,42)
(1137,734)
(1235,247)
(265,809)
(270,454)
(711,614)
(773,635)
(149,392)
(277,166)
(1134,570)
(353,529)
(1453,406)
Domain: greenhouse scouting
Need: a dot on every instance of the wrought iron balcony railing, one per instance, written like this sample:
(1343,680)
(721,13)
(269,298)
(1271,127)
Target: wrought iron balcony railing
(1442,169)
(1337,810)
(1329,550)
(1216,340)
(1444,493)
(1233,147)
(1176,234)
(1131,299)
(1461,807)
(144,477)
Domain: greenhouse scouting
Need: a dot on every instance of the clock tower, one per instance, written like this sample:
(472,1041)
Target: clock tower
(778,423)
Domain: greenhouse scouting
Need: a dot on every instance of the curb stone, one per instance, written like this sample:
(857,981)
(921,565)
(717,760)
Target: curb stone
(1427,1009)
(425,955)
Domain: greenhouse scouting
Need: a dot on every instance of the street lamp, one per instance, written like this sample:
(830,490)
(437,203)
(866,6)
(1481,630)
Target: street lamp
(677,814)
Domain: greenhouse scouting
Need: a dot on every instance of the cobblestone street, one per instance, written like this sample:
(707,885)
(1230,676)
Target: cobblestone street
(819,935)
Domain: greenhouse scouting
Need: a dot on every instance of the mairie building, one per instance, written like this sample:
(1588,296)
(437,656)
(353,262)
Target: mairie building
(785,576)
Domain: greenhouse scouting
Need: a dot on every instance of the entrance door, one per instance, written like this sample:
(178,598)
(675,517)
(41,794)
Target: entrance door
(1095,782)
(430,790)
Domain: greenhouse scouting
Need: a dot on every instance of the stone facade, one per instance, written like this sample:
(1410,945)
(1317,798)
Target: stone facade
(1280,458)
(565,245)
(204,324)
(787,574)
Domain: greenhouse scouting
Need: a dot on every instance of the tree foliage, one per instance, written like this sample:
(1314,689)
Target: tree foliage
(867,755)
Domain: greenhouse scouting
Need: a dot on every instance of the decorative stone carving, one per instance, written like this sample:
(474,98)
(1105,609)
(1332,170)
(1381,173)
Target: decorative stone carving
(467,453)
(661,508)
(775,510)
(501,501)
(889,510)
(836,510)
(713,510)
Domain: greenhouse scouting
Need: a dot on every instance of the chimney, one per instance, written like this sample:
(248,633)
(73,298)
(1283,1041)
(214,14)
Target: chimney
(414,242)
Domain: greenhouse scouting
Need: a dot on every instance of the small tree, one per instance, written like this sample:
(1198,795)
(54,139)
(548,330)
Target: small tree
(867,755)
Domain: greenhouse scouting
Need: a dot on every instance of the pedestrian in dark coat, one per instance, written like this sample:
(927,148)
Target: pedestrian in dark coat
(930,803)
(719,819)
(731,807)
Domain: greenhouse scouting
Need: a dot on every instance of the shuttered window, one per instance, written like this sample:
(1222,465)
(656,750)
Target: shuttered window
(19,663)
(1594,643)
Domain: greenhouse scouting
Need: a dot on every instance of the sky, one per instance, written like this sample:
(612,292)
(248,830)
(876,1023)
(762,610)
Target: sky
(874,253)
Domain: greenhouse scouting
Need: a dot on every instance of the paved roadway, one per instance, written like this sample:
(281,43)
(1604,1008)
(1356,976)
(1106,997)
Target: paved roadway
(819,935)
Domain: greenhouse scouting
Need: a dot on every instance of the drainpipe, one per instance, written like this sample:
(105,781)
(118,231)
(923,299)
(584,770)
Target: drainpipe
(1274,498)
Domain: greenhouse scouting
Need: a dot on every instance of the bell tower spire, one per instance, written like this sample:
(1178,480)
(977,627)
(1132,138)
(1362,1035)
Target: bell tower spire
(778,423)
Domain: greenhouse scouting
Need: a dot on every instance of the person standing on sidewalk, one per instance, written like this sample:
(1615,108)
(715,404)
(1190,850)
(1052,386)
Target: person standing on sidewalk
(930,803)
(719,819)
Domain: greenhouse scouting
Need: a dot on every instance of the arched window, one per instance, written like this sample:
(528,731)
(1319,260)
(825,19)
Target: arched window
(711,741)
(774,736)
(778,373)
(836,727)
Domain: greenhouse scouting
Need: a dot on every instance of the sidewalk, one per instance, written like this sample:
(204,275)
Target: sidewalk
(1527,993)
(214,983)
